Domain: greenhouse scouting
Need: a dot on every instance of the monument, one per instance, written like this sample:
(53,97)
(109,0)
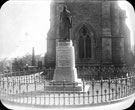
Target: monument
(65,59)
(65,71)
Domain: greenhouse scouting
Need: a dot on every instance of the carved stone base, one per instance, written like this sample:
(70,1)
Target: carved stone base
(65,74)
(67,86)
(65,63)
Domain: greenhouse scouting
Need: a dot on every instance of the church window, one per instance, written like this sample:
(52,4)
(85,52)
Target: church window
(84,31)
(88,46)
(81,47)
(84,43)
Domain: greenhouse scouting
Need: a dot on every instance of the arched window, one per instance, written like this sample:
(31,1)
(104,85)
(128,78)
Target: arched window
(88,46)
(84,43)
(81,47)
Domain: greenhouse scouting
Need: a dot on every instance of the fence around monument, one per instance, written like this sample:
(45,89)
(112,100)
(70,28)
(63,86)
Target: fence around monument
(30,89)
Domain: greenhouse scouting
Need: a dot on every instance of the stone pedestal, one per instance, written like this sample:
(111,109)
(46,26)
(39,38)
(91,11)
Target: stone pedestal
(65,74)
(65,63)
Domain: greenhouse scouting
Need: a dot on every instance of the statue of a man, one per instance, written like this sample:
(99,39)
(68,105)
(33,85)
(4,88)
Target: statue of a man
(65,24)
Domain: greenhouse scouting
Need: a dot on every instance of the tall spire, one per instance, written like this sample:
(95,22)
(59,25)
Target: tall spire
(33,58)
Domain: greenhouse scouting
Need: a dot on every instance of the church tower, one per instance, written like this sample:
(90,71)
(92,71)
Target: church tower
(99,33)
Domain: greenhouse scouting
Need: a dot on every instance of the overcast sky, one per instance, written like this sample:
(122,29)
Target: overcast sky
(24,25)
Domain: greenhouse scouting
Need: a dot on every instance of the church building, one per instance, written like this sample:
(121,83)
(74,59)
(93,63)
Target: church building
(99,33)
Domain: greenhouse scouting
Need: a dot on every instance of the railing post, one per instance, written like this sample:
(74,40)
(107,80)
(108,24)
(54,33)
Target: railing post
(92,90)
(121,80)
(116,87)
(64,92)
(74,92)
(112,93)
(10,95)
(130,85)
(3,83)
(44,93)
(59,97)
(2,86)
(27,89)
(69,98)
(133,83)
(97,95)
(35,90)
(32,83)
(109,86)
(119,91)
(13,89)
(126,85)
(54,91)
(105,94)
(101,83)
(49,98)
(83,93)
(88,97)
(7,87)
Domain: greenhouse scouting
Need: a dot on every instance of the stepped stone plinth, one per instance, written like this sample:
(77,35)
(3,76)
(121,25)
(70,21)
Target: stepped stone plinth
(65,74)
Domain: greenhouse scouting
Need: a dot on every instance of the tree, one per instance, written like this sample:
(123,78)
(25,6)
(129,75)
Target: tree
(5,64)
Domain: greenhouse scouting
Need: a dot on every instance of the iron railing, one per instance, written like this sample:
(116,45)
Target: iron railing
(32,89)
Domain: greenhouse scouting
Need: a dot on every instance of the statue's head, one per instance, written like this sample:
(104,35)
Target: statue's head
(64,8)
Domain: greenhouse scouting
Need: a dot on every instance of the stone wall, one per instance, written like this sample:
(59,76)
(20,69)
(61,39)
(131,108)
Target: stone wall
(103,19)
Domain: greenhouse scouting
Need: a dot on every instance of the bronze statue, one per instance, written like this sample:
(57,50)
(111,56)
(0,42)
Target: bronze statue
(65,24)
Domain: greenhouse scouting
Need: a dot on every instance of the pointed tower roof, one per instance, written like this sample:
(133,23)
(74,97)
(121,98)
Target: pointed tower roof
(33,57)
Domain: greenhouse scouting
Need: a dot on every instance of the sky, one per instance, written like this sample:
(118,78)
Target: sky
(24,24)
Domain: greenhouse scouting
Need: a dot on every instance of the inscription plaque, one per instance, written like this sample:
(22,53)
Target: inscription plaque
(64,58)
